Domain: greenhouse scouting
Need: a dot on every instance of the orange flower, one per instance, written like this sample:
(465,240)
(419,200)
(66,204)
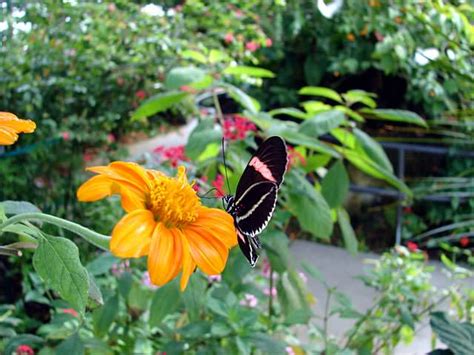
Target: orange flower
(350,37)
(10,126)
(165,220)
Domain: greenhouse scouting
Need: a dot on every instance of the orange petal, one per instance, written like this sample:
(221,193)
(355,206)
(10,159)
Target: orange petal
(165,257)
(7,136)
(220,223)
(4,116)
(96,188)
(131,236)
(131,200)
(209,253)
(188,263)
(23,126)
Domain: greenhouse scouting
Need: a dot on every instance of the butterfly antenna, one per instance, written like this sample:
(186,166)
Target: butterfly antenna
(207,192)
(225,165)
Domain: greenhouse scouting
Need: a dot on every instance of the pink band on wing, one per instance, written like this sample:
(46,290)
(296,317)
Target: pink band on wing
(241,237)
(262,168)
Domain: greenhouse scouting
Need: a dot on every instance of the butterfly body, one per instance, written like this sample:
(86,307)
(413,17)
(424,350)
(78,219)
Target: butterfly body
(256,195)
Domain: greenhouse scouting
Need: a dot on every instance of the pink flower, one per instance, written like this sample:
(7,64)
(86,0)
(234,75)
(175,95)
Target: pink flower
(24,350)
(71,311)
(464,242)
(146,281)
(236,127)
(188,89)
(110,138)
(66,135)
(266,268)
(290,351)
(252,46)
(272,293)
(121,267)
(268,42)
(218,183)
(87,157)
(214,278)
(174,155)
(111,7)
(249,301)
(140,94)
(238,13)
(378,36)
(229,38)
(412,246)
(199,183)
(303,276)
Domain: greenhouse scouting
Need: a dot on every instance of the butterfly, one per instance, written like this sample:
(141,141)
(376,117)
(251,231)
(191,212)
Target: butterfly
(256,195)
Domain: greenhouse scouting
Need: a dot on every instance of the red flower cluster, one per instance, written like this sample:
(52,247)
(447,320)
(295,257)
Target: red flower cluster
(412,246)
(218,183)
(24,350)
(236,127)
(464,242)
(174,155)
(140,94)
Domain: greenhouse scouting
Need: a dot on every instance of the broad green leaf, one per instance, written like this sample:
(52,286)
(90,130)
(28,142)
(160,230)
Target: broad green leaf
(195,55)
(354,96)
(57,262)
(205,134)
(196,329)
(348,234)
(103,317)
(267,344)
(351,113)
(95,295)
(322,123)
(322,92)
(309,206)
(289,111)
(292,295)
(71,346)
(18,207)
(181,76)
(216,56)
(345,137)
(313,107)
(194,296)
(166,300)
(248,102)
(373,149)
(124,283)
(158,103)
(255,72)
(275,243)
(335,185)
(396,116)
(212,150)
(458,336)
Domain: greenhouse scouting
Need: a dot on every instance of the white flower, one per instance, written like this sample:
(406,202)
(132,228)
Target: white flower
(329,10)
(424,56)
(153,10)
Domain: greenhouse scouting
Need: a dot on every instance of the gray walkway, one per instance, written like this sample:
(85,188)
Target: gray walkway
(339,268)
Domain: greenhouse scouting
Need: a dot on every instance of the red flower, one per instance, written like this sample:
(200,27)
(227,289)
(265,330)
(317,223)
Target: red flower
(229,38)
(464,241)
(71,311)
(66,135)
(174,155)
(140,94)
(412,246)
(218,183)
(236,127)
(252,46)
(24,350)
(110,138)
(407,210)
(268,42)
(87,157)
(198,184)
(295,157)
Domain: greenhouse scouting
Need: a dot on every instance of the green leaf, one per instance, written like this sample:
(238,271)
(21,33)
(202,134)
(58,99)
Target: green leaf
(216,56)
(195,55)
(322,92)
(396,116)
(289,111)
(103,317)
(354,96)
(101,264)
(194,296)
(212,150)
(195,329)
(335,185)
(94,293)
(181,76)
(309,206)
(18,207)
(322,123)
(248,102)
(313,107)
(293,298)
(345,137)
(249,71)
(166,300)
(348,234)
(158,103)
(71,346)
(26,339)
(275,243)
(456,335)
(124,283)
(57,262)
(205,134)
(267,344)
(373,149)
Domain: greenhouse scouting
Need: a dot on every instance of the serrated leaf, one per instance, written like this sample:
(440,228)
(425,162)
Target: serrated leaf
(158,103)
(166,300)
(396,116)
(335,185)
(322,123)
(348,234)
(321,91)
(181,76)
(255,72)
(57,262)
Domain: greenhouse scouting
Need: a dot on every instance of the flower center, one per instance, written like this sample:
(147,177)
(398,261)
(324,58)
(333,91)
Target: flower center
(173,201)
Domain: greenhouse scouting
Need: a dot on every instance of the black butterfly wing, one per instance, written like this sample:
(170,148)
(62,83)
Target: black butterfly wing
(249,247)
(267,164)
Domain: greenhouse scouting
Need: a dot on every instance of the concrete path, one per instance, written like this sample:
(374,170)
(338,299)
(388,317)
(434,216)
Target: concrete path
(338,267)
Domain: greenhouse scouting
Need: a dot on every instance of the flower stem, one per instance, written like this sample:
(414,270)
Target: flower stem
(97,239)
(270,299)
